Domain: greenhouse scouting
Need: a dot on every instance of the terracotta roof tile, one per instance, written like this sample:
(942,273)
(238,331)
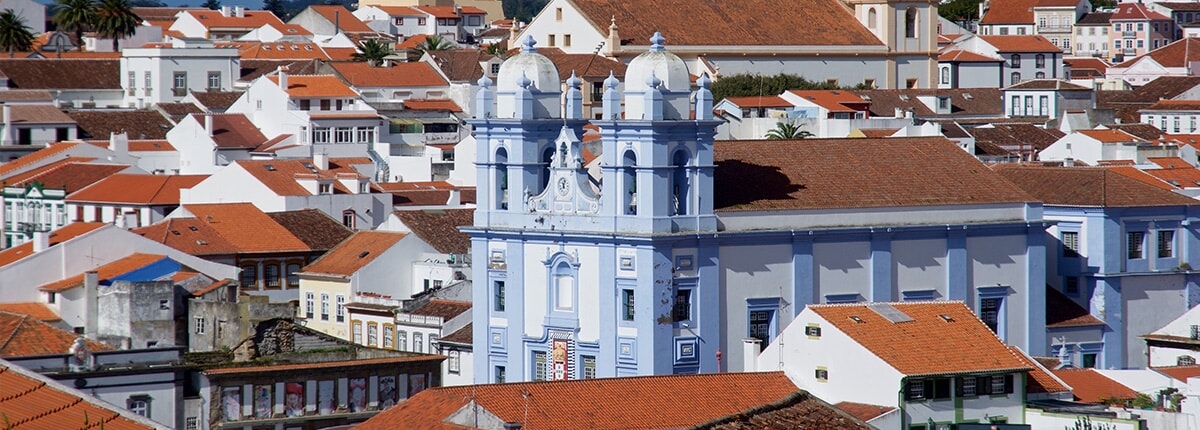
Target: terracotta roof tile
(448,11)
(462,336)
(189,235)
(137,189)
(799,410)
(603,403)
(982,102)
(234,131)
(1174,105)
(255,68)
(1176,54)
(217,101)
(353,253)
(1136,11)
(1090,386)
(1141,130)
(1141,175)
(55,74)
(964,56)
(247,227)
(863,411)
(1180,373)
(250,20)
(279,50)
(149,145)
(316,86)
(432,105)
(33,309)
(1180,6)
(70,176)
(1110,136)
(833,100)
(430,197)
(792,23)
(1095,18)
(44,155)
(1040,379)
(1097,64)
(1176,177)
(139,124)
(23,335)
(1047,84)
(963,343)
(68,232)
(108,271)
(585,66)
(38,114)
(461,65)
(1009,12)
(1005,44)
(417,74)
(1061,311)
(810,174)
(315,228)
(1095,187)
(1170,162)
(343,17)
(439,228)
(32,401)
(759,101)
(446,309)
(280,175)
(398,10)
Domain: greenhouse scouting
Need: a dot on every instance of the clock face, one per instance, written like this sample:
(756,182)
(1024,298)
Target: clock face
(564,186)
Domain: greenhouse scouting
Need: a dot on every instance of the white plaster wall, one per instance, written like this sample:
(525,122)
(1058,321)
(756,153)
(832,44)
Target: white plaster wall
(842,268)
(167,162)
(221,187)
(466,369)
(584,37)
(748,272)
(387,273)
(920,265)
(587,290)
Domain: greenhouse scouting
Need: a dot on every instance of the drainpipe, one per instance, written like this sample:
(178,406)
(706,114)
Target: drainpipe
(900,402)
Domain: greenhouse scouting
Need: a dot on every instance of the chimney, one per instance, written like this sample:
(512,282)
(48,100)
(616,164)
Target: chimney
(899,112)
(283,77)
(208,127)
(91,297)
(41,241)
(514,34)
(225,11)
(750,350)
(337,18)
(118,143)
(321,161)
(455,198)
(6,138)
(239,11)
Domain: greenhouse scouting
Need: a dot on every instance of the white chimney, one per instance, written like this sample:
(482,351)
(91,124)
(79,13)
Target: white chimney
(41,241)
(225,10)
(321,161)
(455,198)
(750,350)
(118,143)
(283,77)
(239,11)
(6,138)
(91,297)
(208,127)
(899,112)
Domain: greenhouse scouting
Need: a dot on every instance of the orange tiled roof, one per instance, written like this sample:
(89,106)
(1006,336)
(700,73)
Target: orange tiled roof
(341,54)
(189,235)
(70,231)
(150,145)
(39,156)
(412,42)
(446,309)
(1011,43)
(116,268)
(280,50)
(1174,105)
(603,403)
(1176,177)
(1136,11)
(399,10)
(280,175)
(863,411)
(343,17)
(439,228)
(316,86)
(137,189)
(214,20)
(432,105)
(33,309)
(1040,379)
(1110,136)
(22,335)
(1170,162)
(1009,12)
(1096,187)
(834,100)
(32,401)
(1180,373)
(1090,386)
(247,227)
(418,74)
(1135,173)
(234,130)
(354,253)
(1177,54)
(1061,311)
(962,56)
(449,11)
(69,176)
(927,345)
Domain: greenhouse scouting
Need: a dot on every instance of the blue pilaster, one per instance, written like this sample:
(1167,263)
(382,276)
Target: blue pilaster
(710,313)
(1106,305)
(957,263)
(803,288)
(610,293)
(1035,297)
(881,268)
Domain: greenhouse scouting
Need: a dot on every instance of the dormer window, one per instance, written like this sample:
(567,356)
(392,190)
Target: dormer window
(325,188)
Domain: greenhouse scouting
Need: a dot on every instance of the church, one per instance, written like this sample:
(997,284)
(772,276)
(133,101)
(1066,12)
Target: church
(678,249)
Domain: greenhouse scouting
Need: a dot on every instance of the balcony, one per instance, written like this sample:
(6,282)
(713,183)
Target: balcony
(1129,34)
(179,92)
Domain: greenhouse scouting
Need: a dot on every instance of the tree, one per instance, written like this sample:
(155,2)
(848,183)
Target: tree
(373,51)
(495,50)
(115,19)
(75,16)
(14,34)
(960,10)
(743,85)
(787,130)
(211,4)
(522,10)
(431,44)
(275,7)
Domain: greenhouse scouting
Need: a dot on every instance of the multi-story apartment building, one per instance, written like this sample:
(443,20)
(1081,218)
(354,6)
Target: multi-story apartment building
(1137,30)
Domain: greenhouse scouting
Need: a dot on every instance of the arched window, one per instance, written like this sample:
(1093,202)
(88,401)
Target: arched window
(872,17)
(348,218)
(946,75)
(680,183)
(629,178)
(1016,78)
(249,276)
(1040,75)
(500,183)
(544,173)
(564,287)
(910,22)
(1016,60)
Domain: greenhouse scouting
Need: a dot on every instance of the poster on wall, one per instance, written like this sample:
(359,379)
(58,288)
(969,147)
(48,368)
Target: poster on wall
(558,353)
(358,394)
(416,383)
(231,403)
(387,391)
(325,397)
(262,401)
(294,401)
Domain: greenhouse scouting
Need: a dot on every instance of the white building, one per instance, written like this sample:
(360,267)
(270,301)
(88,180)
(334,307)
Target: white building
(1093,146)
(165,74)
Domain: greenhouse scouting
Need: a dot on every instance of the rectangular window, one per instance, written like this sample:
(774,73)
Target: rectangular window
(324,306)
(1166,243)
(550,40)
(140,405)
(997,384)
(148,80)
(941,389)
(498,304)
(822,374)
(500,374)
(760,326)
(132,80)
(566,40)
(341,308)
(1070,243)
(989,312)
(421,21)
(1043,105)
(372,334)
(452,363)
(271,275)
(305,104)
(418,345)
(308,304)
(627,305)
(356,329)
(1028,99)
(1071,285)
(180,80)
(399,20)
(589,367)
(1135,245)
(192,423)
(682,311)
(214,80)
(325,104)
(539,365)
(388,342)
(200,325)
(968,386)
(915,391)
(402,340)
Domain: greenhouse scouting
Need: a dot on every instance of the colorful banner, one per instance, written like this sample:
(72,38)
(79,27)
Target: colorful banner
(358,394)
(387,391)
(558,355)
(262,401)
(231,403)
(293,403)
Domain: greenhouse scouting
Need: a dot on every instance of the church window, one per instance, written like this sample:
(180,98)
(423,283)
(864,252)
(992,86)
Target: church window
(682,309)
(501,179)
(680,184)
(910,22)
(629,177)
(871,18)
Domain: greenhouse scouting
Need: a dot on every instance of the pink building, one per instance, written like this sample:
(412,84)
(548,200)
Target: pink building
(1138,30)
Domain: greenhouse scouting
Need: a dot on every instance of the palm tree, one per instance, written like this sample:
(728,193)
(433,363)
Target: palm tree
(211,4)
(373,51)
(495,50)
(75,16)
(787,130)
(115,19)
(433,43)
(14,34)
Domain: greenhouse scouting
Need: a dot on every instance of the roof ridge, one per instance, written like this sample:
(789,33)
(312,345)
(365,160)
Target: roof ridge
(14,332)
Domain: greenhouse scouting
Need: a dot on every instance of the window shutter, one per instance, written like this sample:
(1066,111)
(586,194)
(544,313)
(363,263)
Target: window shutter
(958,387)
(983,385)
(1008,384)
(928,389)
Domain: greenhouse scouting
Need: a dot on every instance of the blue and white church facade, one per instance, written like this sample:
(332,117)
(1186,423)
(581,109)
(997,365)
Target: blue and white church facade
(646,270)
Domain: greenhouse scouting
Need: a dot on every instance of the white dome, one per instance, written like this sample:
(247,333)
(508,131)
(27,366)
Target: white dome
(657,63)
(528,65)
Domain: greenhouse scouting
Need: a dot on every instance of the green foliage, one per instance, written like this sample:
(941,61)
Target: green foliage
(211,4)
(14,34)
(75,16)
(522,10)
(495,50)
(373,51)
(115,19)
(1143,401)
(1102,3)
(1085,423)
(1170,398)
(787,130)
(431,44)
(960,10)
(743,85)
(275,7)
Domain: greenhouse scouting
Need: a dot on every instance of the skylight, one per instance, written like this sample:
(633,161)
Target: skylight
(889,312)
